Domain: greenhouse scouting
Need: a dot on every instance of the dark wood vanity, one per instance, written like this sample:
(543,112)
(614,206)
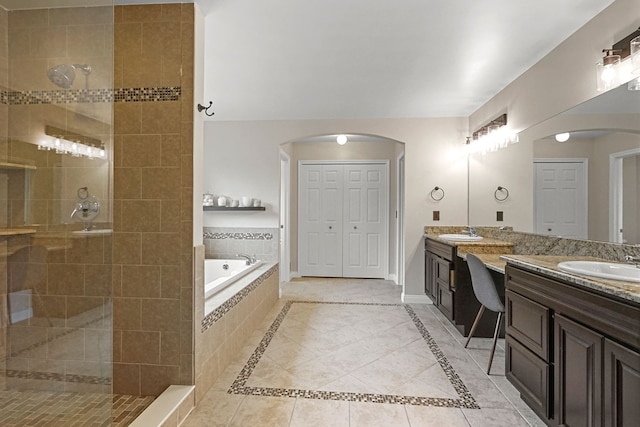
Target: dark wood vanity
(448,285)
(572,351)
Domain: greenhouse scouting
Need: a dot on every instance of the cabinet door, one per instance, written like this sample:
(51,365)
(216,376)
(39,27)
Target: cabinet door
(430,275)
(445,300)
(622,385)
(578,377)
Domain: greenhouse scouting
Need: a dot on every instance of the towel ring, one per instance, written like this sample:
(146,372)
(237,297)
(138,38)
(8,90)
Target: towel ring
(502,190)
(436,190)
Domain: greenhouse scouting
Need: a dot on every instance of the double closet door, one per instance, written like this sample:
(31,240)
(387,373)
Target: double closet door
(342,220)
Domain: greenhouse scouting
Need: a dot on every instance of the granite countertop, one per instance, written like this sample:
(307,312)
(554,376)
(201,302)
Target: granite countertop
(16,231)
(492,261)
(484,246)
(548,265)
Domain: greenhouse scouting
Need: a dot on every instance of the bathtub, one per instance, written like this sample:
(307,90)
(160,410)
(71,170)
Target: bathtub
(216,277)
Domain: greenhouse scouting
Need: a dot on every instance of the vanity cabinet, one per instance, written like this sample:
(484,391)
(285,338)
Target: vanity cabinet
(439,277)
(448,284)
(572,352)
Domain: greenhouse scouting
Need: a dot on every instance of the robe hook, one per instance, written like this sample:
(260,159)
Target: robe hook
(202,108)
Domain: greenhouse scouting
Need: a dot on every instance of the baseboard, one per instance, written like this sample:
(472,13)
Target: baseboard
(416,299)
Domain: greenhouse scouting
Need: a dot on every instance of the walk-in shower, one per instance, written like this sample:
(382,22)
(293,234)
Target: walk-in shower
(63,75)
(56,298)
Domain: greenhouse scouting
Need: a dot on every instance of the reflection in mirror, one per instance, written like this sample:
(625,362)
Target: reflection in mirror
(585,187)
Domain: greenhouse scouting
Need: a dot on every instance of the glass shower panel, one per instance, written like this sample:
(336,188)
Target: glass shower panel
(56,169)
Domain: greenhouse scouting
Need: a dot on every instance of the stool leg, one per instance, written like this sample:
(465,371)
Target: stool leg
(475,325)
(495,339)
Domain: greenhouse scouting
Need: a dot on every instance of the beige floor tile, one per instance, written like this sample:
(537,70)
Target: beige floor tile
(258,411)
(353,347)
(429,416)
(377,415)
(320,413)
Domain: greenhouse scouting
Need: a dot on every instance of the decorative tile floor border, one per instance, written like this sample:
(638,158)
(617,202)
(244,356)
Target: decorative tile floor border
(465,400)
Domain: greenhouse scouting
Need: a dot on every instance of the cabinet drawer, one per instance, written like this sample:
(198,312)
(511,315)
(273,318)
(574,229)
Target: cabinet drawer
(443,250)
(530,375)
(445,301)
(443,270)
(528,322)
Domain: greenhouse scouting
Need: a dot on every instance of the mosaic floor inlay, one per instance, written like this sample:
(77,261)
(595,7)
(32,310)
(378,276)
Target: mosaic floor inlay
(317,372)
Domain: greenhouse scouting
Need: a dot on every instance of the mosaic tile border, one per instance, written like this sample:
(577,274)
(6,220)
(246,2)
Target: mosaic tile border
(217,314)
(52,376)
(72,96)
(465,400)
(238,236)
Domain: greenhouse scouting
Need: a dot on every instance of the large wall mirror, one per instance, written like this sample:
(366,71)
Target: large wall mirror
(585,187)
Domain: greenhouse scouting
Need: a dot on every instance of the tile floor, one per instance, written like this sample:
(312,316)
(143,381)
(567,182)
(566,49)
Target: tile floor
(346,352)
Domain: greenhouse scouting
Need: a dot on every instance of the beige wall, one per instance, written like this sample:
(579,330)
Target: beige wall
(153,214)
(434,157)
(561,80)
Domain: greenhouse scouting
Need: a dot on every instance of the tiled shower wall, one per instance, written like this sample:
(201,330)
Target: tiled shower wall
(227,242)
(153,278)
(64,343)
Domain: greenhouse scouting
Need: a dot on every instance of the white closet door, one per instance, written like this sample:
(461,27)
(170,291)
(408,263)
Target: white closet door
(561,201)
(320,220)
(364,238)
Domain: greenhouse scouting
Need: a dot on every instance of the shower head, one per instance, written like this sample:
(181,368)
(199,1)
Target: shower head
(63,75)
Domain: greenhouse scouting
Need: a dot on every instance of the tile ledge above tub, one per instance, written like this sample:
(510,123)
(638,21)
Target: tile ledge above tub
(221,303)
(548,265)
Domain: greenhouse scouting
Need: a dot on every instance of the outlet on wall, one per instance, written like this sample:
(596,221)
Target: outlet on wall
(499,216)
(436,215)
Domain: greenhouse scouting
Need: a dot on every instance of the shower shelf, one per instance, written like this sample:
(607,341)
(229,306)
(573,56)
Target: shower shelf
(228,208)
(8,165)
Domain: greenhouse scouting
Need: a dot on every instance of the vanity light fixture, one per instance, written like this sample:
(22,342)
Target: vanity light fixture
(615,68)
(563,137)
(491,136)
(341,139)
(65,142)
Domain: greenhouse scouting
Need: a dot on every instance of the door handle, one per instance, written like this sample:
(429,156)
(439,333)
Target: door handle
(330,227)
(355,228)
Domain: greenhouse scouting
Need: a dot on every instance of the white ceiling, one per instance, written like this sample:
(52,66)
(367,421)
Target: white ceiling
(322,59)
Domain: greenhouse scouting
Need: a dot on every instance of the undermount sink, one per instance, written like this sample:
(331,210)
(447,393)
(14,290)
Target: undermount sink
(461,237)
(604,270)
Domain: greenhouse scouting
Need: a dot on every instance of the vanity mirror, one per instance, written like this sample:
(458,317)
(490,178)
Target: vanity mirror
(599,162)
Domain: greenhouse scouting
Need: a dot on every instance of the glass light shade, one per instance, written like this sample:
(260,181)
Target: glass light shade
(607,72)
(634,84)
(563,137)
(341,139)
(635,55)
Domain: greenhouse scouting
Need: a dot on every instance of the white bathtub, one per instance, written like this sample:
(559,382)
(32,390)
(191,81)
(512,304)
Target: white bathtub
(216,277)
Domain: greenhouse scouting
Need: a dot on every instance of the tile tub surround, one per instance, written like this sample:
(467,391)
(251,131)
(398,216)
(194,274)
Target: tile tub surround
(292,358)
(226,242)
(219,335)
(536,244)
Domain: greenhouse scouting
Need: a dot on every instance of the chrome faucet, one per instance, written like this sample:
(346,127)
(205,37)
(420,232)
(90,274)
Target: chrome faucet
(471,231)
(249,258)
(632,260)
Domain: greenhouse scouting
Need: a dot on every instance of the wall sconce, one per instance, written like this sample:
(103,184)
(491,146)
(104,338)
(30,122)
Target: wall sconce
(65,142)
(615,68)
(491,136)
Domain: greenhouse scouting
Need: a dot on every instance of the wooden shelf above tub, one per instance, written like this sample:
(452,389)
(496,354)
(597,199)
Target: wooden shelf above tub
(228,208)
